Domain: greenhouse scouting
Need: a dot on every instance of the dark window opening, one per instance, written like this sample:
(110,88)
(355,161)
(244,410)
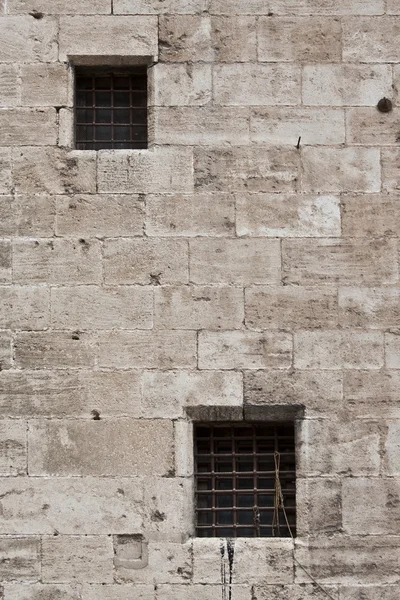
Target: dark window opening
(245,477)
(110,108)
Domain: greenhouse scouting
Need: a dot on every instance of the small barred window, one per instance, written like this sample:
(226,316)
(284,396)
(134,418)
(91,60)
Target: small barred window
(245,477)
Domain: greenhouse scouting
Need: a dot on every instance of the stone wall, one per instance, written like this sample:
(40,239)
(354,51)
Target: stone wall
(223,266)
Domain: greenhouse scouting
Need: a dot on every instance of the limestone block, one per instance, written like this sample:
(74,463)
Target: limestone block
(71,505)
(13,451)
(369,308)
(45,85)
(198,307)
(319,502)
(181,84)
(39,591)
(341,170)
(201,592)
(168,509)
(254,561)
(338,350)
(252,169)
(392,7)
(148,349)
(167,563)
(113,448)
(185,38)
(26,216)
(63,7)
(309,39)
(298,7)
(56,261)
(376,592)
(366,39)
(130,553)
(234,261)
(256,84)
(190,215)
(244,350)
(27,127)
(381,496)
(290,307)
(201,126)
(356,444)
(234,39)
(349,560)
(69,394)
(24,307)
(19,558)
(346,85)
(292,592)
(25,39)
(392,350)
(77,558)
(141,7)
(108,35)
(100,215)
(155,261)
(281,126)
(184,459)
(53,349)
(363,126)
(379,217)
(9,86)
(344,261)
(5,170)
(165,394)
(161,170)
(287,215)
(5,350)
(117,592)
(392,464)
(90,307)
(5,261)
(53,171)
(391,169)
(319,391)
(372,394)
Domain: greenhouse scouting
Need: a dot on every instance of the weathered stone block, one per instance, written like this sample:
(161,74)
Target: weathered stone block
(346,85)
(184,459)
(244,350)
(180,84)
(5,261)
(287,215)
(310,39)
(38,505)
(371,40)
(233,261)
(392,350)
(117,592)
(372,394)
(53,171)
(338,350)
(363,126)
(5,350)
(281,126)
(53,349)
(382,496)
(89,307)
(168,563)
(369,308)
(56,261)
(19,559)
(40,591)
(201,592)
(155,261)
(158,171)
(83,448)
(77,558)
(392,7)
(165,394)
(190,216)
(319,503)
(13,450)
(201,126)
(290,307)
(69,394)
(24,307)
(198,307)
(148,349)
(234,39)
(168,509)
(380,216)
(185,39)
(392,464)
(256,84)
(298,7)
(9,85)
(45,85)
(319,391)
(130,553)
(341,170)
(108,35)
(25,39)
(26,216)
(292,592)
(346,261)
(253,561)
(63,7)
(139,7)
(391,169)
(366,592)
(5,170)
(356,443)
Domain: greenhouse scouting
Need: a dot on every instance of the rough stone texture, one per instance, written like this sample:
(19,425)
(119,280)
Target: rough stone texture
(13,448)
(53,349)
(26,39)
(299,7)
(380,216)
(382,498)
(45,85)
(5,170)
(5,350)
(370,40)
(27,216)
(58,6)
(372,394)
(20,558)
(181,84)
(8,84)
(39,591)
(24,307)
(390,170)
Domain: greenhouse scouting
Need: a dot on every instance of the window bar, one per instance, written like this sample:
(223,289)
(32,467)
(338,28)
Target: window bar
(213,480)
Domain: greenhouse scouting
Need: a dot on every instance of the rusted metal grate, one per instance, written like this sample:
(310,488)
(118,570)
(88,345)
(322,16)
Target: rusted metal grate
(110,108)
(238,468)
